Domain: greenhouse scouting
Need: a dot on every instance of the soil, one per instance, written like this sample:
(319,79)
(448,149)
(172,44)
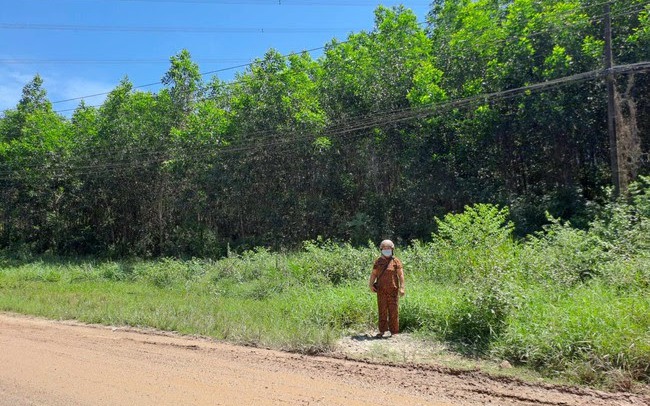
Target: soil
(45,362)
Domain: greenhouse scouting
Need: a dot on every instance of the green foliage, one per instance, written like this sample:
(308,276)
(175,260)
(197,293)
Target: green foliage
(428,307)
(527,302)
(354,146)
(373,138)
(591,325)
(474,244)
(478,318)
(184,80)
(320,262)
(482,226)
(563,255)
(624,225)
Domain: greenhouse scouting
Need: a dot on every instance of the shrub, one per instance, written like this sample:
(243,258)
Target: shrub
(479,226)
(561,254)
(625,223)
(474,243)
(428,307)
(338,263)
(479,318)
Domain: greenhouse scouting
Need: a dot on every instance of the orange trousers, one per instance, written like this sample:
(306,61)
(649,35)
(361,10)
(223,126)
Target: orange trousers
(388,304)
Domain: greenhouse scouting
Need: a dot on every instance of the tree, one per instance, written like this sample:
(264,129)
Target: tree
(276,115)
(368,81)
(34,179)
(34,99)
(185,83)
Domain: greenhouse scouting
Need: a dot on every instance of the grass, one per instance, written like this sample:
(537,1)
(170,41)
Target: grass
(297,320)
(586,331)
(566,303)
(583,334)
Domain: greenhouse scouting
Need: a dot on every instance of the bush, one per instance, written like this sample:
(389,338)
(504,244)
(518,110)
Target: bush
(625,223)
(473,244)
(555,330)
(428,308)
(564,301)
(337,263)
(562,255)
(479,226)
(479,317)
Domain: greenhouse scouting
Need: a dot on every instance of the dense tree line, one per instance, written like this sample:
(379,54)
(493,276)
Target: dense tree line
(376,137)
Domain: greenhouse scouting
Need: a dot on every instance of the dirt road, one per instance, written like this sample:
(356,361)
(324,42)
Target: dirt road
(64,363)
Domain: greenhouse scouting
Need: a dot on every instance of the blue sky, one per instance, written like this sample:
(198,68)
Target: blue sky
(84,47)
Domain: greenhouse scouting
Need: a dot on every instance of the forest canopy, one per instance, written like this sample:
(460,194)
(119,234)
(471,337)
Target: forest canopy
(377,137)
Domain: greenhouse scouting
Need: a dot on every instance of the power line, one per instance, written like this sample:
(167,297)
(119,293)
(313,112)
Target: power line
(202,74)
(158,83)
(357,119)
(348,127)
(249,64)
(308,3)
(198,30)
(529,34)
(30,61)
(186,29)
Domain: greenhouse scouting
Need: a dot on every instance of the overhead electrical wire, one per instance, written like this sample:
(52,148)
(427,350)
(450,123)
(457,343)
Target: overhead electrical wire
(158,83)
(637,7)
(188,29)
(358,120)
(199,30)
(397,115)
(227,84)
(307,3)
(110,167)
(202,60)
(31,61)
(344,129)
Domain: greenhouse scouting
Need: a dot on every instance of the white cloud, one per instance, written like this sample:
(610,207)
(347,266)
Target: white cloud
(11,87)
(73,88)
(58,88)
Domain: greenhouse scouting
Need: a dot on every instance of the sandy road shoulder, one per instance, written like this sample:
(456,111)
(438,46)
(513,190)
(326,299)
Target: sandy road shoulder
(53,362)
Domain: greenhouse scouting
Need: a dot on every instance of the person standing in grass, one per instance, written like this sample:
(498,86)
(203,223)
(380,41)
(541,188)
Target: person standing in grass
(387,281)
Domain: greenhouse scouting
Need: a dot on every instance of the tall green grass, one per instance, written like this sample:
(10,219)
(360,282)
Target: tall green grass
(566,302)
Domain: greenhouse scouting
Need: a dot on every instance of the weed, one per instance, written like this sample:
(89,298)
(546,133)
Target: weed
(564,301)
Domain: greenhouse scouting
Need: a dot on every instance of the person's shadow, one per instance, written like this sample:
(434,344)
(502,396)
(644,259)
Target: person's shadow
(365,337)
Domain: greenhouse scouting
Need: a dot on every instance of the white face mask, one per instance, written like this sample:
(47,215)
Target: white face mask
(387,253)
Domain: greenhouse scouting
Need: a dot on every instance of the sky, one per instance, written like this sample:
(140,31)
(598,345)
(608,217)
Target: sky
(85,47)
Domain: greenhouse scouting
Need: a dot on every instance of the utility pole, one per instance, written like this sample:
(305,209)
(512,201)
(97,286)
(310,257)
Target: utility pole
(611,104)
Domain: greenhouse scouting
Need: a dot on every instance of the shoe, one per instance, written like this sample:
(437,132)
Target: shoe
(379,335)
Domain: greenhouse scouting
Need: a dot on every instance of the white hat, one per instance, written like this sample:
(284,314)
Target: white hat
(388,243)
